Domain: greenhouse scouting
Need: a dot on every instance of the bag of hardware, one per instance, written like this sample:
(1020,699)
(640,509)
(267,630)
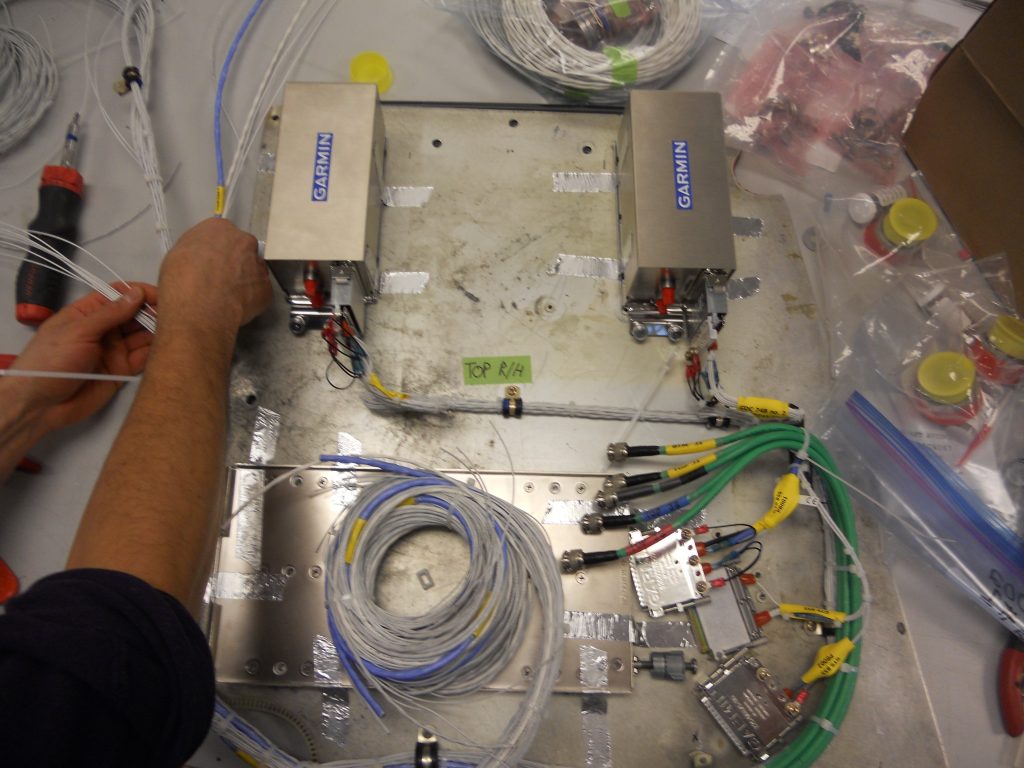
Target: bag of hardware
(936,441)
(829,84)
(592,50)
(871,240)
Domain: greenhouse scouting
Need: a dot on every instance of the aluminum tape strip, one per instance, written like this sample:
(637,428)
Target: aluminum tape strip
(249,523)
(326,667)
(335,715)
(663,634)
(406,197)
(593,668)
(744,226)
(570,265)
(227,585)
(597,739)
(583,625)
(570,512)
(578,181)
(395,283)
(742,287)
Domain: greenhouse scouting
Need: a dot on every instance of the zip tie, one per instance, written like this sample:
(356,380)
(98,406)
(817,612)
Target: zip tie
(849,668)
(825,725)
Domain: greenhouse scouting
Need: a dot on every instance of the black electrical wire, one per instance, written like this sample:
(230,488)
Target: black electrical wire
(752,545)
(327,376)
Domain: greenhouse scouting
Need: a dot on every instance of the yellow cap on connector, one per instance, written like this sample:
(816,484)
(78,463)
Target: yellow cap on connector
(1007,335)
(829,660)
(909,221)
(371,67)
(946,377)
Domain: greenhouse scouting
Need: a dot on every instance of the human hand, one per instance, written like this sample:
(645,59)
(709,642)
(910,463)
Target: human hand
(91,335)
(213,279)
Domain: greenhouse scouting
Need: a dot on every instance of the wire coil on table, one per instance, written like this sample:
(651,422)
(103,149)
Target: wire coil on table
(522,34)
(28,85)
(463,642)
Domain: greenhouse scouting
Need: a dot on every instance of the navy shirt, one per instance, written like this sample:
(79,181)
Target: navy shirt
(99,668)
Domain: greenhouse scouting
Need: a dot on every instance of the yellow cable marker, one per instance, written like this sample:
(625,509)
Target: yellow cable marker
(681,448)
(784,501)
(764,407)
(828,660)
(350,549)
(810,613)
(691,466)
(376,383)
(218,206)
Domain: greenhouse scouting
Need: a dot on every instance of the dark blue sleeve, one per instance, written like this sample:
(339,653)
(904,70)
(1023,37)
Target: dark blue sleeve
(99,668)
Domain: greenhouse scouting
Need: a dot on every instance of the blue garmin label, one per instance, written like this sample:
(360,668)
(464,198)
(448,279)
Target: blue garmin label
(681,173)
(322,166)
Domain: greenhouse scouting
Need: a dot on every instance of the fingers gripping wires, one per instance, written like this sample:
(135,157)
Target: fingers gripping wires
(463,642)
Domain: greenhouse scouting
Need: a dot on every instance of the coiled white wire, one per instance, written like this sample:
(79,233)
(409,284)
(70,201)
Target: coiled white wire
(28,85)
(521,34)
(461,644)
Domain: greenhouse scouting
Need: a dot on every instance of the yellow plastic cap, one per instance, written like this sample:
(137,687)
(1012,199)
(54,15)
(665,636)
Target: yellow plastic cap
(1007,335)
(371,67)
(909,221)
(946,377)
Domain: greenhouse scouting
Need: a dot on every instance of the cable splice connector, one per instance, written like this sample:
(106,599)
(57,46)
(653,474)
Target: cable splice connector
(667,665)
(131,76)
(512,408)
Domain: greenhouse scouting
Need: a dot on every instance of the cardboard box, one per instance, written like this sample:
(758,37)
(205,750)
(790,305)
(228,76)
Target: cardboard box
(967,137)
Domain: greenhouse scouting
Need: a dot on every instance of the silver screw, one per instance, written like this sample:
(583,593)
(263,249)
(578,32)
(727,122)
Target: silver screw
(296,480)
(279,668)
(315,572)
(306,670)
(528,487)
(527,672)
(581,488)
(252,667)
(322,482)
(555,487)
(694,560)
(687,534)
(581,577)
(763,674)
(792,709)
(761,597)
(702,587)
(288,570)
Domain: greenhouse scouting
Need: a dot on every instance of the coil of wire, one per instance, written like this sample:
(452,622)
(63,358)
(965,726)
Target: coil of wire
(28,85)
(584,60)
(463,642)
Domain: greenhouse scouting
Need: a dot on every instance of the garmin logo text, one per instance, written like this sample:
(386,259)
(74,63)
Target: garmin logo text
(681,171)
(322,166)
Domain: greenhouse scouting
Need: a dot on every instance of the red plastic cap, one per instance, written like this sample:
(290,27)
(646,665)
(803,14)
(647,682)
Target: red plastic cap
(62,176)
(8,583)
(32,314)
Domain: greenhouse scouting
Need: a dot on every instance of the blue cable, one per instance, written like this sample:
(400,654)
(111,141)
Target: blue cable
(363,461)
(222,80)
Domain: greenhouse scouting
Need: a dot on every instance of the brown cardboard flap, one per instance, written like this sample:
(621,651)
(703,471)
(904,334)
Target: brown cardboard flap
(995,45)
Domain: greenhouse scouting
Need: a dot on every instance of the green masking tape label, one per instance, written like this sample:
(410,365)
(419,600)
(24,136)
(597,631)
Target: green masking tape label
(497,370)
(624,66)
(621,8)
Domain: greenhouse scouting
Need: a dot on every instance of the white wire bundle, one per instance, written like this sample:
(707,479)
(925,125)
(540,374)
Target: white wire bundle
(293,43)
(138,30)
(379,398)
(28,85)
(246,738)
(15,243)
(521,34)
(462,643)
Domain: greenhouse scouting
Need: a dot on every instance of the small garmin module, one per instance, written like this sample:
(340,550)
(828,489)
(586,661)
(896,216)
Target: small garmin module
(749,705)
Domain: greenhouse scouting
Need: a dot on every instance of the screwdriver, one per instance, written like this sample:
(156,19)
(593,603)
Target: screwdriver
(40,290)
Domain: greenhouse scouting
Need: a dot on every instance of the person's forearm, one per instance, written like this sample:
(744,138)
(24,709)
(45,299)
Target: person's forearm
(19,424)
(153,511)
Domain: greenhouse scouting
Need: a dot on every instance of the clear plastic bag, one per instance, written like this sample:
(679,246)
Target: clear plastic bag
(591,50)
(832,85)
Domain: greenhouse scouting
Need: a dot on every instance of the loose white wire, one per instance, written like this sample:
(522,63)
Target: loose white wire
(28,85)
(521,34)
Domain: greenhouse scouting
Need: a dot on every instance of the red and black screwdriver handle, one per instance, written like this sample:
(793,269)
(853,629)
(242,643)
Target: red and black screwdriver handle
(1011,686)
(40,290)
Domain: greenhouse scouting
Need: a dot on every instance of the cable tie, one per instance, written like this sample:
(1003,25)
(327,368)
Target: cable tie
(848,668)
(825,725)
(131,76)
